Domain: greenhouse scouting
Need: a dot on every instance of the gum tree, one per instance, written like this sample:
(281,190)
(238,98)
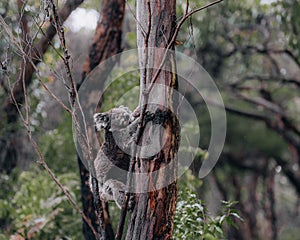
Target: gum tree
(154,209)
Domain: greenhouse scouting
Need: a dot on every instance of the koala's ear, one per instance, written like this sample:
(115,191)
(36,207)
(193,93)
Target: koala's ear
(101,120)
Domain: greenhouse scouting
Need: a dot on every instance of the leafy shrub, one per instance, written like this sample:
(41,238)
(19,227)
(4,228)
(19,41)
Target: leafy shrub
(192,220)
(38,209)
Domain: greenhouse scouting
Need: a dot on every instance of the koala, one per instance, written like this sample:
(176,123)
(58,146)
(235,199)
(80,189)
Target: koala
(115,119)
(113,190)
(119,126)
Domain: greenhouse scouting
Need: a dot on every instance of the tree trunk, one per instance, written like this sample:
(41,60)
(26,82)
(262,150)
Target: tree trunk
(155,199)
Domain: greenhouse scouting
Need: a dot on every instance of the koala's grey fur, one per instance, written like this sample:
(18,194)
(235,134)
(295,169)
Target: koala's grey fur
(114,155)
(114,190)
(115,119)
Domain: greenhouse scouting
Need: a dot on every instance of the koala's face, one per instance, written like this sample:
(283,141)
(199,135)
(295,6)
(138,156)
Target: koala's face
(101,120)
(114,120)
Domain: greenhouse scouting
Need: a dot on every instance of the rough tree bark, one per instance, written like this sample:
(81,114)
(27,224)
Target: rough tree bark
(106,43)
(153,213)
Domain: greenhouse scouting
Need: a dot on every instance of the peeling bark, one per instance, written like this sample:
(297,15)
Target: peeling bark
(153,213)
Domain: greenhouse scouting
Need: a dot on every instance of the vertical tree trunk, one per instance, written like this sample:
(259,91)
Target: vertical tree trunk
(153,213)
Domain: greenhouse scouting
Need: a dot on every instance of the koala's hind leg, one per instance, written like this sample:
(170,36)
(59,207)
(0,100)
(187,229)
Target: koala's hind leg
(114,190)
(102,166)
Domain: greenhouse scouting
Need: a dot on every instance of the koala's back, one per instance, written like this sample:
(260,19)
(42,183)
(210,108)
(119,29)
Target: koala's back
(115,162)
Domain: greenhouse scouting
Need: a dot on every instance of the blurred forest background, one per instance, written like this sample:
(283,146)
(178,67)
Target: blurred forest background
(251,49)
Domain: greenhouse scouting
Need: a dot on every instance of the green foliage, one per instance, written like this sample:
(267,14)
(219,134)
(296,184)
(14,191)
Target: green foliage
(287,12)
(58,148)
(38,209)
(192,220)
(189,181)
(32,204)
(122,91)
(7,192)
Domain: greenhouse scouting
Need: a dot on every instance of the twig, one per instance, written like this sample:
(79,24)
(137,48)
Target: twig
(72,87)
(271,106)
(267,78)
(26,122)
(43,163)
(61,33)
(134,16)
(143,105)
(187,2)
(23,23)
(31,61)
(58,183)
(289,138)
(143,109)
(169,46)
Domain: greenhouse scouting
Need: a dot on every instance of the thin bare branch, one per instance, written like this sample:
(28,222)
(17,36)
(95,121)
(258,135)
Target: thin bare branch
(173,39)
(268,78)
(143,108)
(61,33)
(134,16)
(271,106)
(289,138)
(35,55)
(43,163)
(187,3)
(251,115)
(31,62)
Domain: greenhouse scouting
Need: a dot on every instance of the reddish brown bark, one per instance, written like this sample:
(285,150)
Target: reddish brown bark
(108,36)
(153,212)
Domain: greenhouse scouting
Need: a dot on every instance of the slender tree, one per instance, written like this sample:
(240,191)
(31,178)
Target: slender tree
(154,209)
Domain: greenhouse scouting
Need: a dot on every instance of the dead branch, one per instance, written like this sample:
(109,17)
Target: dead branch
(43,163)
(171,43)
(269,78)
(35,54)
